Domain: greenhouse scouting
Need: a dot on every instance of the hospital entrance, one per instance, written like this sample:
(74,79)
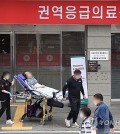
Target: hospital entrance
(44,53)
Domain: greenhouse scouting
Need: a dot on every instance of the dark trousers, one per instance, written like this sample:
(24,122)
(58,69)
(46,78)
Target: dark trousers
(75,107)
(5,106)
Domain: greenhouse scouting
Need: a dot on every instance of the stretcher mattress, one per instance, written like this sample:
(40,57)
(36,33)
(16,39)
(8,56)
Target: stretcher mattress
(48,92)
(44,92)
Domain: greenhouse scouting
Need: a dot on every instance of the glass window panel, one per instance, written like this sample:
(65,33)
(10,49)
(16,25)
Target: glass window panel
(26,55)
(115,65)
(73,44)
(5,53)
(50,60)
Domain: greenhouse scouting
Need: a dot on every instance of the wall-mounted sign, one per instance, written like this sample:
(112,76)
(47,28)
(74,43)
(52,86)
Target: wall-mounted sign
(92,66)
(99,55)
(59,12)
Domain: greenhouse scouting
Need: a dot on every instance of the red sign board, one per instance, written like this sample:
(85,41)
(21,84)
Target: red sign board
(26,60)
(31,60)
(59,12)
(49,59)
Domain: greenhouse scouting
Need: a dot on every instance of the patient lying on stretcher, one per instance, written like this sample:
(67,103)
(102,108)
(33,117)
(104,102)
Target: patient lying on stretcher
(48,91)
(31,81)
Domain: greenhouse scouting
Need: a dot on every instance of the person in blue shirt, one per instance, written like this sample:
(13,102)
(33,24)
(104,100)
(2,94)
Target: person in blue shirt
(103,119)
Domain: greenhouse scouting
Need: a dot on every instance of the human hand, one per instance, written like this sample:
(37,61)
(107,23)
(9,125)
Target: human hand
(93,130)
(13,82)
(42,86)
(10,94)
(112,131)
(84,97)
(64,99)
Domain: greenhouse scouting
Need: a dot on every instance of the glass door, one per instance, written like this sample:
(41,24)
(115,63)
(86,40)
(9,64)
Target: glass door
(39,54)
(5,53)
(115,66)
(50,60)
(26,55)
(73,44)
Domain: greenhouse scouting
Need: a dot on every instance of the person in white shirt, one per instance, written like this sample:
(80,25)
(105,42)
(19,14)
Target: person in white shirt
(87,121)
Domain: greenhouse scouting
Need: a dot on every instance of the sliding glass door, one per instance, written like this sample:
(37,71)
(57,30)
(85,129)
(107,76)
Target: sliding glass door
(39,54)
(25,55)
(5,52)
(49,60)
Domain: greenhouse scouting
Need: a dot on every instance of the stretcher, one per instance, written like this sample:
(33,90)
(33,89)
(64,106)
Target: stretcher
(49,96)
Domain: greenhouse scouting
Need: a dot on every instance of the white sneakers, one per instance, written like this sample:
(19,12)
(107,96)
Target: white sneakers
(67,122)
(9,122)
(75,125)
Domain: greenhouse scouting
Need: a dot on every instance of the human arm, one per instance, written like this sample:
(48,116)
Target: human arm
(2,89)
(37,85)
(65,87)
(111,123)
(13,82)
(82,90)
(111,120)
(6,92)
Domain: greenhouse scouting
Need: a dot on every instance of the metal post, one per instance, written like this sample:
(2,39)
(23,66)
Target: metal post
(61,61)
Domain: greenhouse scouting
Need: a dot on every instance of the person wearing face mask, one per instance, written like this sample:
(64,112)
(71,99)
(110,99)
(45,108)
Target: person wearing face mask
(103,119)
(86,125)
(74,87)
(5,96)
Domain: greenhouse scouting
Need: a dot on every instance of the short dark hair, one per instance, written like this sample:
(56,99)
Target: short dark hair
(4,74)
(86,111)
(77,71)
(98,96)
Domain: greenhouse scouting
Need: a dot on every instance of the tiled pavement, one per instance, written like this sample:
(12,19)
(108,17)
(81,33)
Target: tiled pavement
(57,124)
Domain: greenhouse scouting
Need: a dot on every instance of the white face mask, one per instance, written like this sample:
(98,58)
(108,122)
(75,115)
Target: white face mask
(7,77)
(78,77)
(95,103)
(81,115)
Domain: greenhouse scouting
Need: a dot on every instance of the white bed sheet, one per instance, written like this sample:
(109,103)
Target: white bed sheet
(48,92)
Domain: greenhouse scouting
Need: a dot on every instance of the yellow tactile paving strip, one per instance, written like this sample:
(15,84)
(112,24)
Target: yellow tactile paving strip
(18,125)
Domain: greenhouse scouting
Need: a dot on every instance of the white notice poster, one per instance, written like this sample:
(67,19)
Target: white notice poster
(79,63)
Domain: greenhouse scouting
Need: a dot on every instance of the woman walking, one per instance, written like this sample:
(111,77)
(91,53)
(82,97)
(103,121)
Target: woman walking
(5,96)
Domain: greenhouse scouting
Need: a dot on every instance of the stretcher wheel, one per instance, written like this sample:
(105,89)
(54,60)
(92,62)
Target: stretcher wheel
(21,120)
(23,117)
(50,118)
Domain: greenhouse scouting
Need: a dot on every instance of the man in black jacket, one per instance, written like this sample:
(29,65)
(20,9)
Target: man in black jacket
(75,87)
